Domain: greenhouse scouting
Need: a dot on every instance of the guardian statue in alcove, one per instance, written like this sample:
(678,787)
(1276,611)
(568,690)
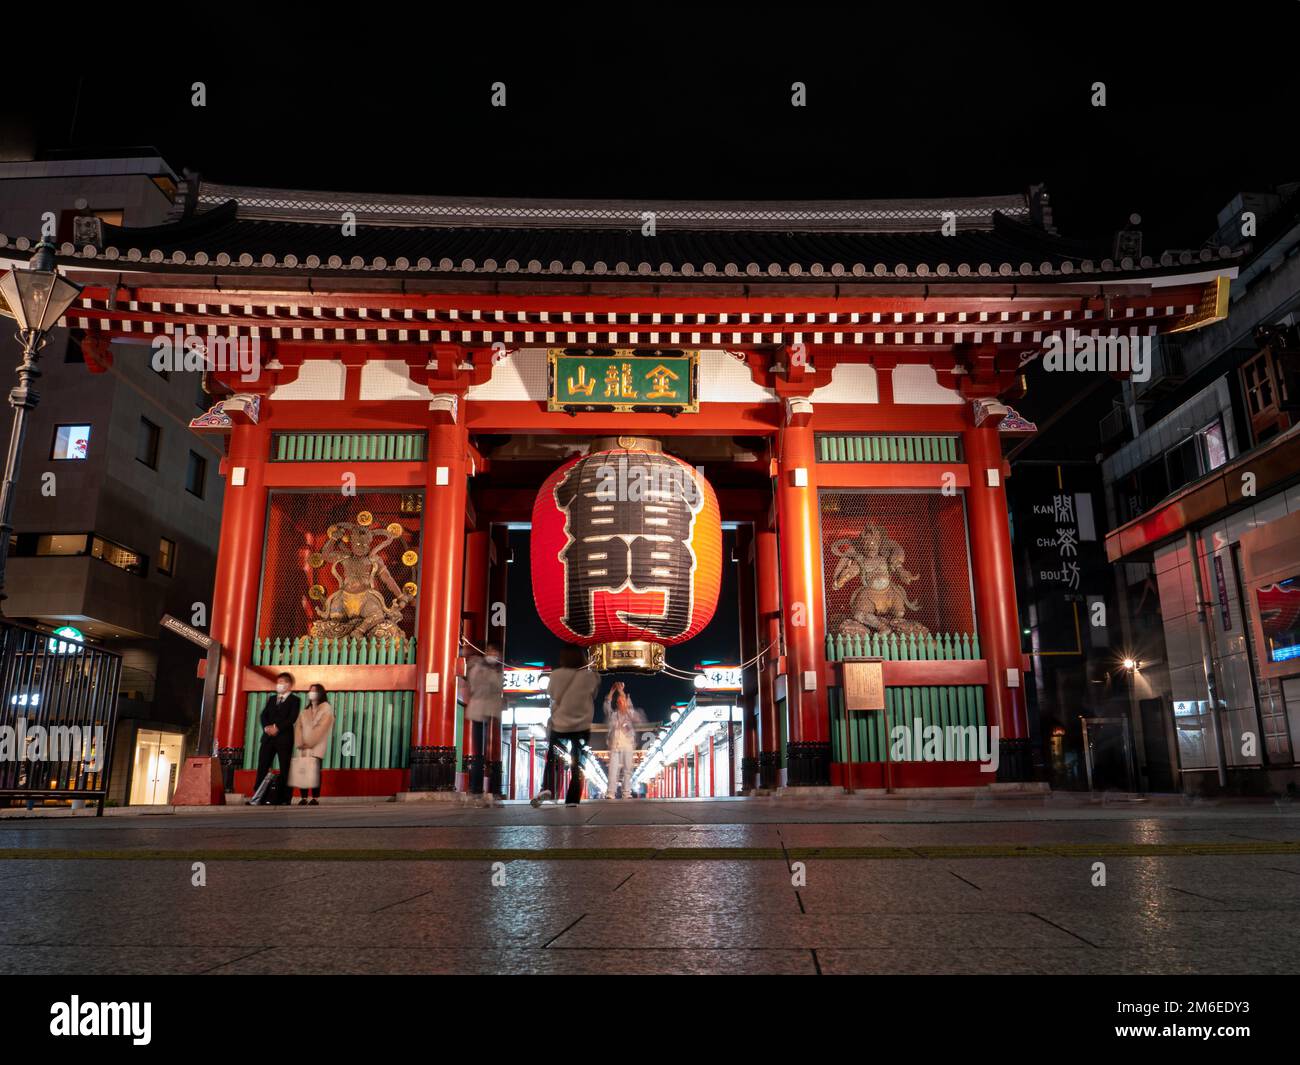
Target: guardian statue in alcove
(353,553)
(880,602)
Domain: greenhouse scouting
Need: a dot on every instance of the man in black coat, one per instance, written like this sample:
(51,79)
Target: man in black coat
(278,716)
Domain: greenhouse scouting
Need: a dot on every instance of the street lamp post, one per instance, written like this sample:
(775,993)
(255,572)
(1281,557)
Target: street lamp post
(37,298)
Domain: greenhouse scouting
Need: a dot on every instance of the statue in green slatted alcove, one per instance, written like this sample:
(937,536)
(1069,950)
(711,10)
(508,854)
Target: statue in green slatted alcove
(880,602)
(353,556)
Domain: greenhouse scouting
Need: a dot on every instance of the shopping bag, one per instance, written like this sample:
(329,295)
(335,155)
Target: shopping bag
(304,771)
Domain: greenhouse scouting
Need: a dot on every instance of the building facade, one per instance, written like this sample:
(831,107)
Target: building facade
(392,384)
(1202,496)
(118,503)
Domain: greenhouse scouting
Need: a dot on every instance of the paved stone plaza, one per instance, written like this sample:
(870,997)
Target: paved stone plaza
(888,885)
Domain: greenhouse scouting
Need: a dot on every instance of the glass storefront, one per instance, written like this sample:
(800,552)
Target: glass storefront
(155,765)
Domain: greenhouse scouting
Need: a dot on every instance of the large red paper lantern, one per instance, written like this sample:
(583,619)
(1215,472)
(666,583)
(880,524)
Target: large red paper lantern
(626,553)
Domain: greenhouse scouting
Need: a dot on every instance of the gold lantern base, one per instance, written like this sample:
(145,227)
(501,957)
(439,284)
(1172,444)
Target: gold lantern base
(626,656)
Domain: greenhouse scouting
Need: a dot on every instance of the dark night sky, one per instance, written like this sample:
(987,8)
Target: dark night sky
(694,103)
(689,102)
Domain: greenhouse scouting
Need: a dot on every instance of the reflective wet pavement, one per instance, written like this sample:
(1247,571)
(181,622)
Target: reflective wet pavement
(1189,888)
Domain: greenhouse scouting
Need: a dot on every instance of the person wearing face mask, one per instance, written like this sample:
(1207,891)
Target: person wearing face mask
(278,717)
(484,676)
(623,719)
(311,737)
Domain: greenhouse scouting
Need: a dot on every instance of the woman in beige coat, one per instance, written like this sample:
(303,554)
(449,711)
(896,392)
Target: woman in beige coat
(311,735)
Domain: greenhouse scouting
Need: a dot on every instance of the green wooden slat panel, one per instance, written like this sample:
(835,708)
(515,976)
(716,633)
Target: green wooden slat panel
(359,731)
(250,731)
(408,700)
(377,754)
(350,447)
(367,730)
(919,707)
(460,737)
(355,727)
(343,714)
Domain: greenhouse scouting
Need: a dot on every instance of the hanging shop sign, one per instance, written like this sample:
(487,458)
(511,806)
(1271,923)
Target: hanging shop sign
(718,678)
(68,632)
(623,380)
(626,553)
(525,680)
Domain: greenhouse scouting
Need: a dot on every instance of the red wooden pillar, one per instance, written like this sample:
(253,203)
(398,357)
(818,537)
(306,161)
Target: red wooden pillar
(239,568)
(993,571)
(712,774)
(442,553)
(799,530)
(767,573)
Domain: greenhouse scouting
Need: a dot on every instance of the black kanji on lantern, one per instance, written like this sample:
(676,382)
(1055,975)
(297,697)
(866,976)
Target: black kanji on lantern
(629,521)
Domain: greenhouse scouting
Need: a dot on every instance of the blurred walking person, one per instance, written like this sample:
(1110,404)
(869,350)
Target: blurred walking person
(572,691)
(485,677)
(623,720)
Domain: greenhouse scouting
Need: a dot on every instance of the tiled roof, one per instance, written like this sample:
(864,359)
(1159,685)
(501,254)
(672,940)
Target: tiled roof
(262,230)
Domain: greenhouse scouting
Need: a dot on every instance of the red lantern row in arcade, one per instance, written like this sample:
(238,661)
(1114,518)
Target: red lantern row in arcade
(626,553)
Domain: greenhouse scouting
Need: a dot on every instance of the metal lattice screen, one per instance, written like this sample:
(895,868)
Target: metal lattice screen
(896,564)
(340,576)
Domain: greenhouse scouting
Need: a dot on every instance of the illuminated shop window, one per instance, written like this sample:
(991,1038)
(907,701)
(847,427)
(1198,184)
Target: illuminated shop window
(71,545)
(117,555)
(61,544)
(70,442)
(166,556)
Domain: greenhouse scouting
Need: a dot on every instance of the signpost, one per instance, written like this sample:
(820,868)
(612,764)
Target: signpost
(200,782)
(864,689)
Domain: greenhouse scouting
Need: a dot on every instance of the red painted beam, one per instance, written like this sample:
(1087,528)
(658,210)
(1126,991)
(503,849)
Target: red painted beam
(330,474)
(917,674)
(891,474)
(713,419)
(334,678)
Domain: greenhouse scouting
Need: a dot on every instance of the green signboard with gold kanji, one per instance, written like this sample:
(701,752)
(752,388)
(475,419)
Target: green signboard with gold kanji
(623,380)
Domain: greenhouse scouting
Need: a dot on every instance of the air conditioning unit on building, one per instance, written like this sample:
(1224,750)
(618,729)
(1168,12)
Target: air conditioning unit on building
(1114,425)
(1168,370)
